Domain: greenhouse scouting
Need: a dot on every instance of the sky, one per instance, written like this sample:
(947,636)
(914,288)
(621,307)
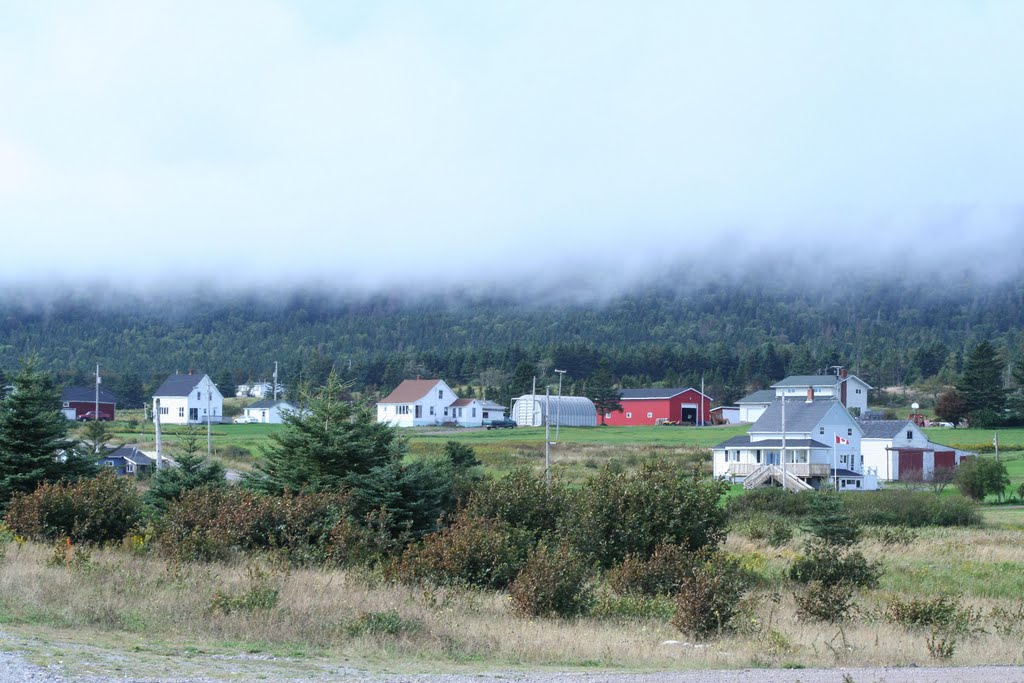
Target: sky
(417,144)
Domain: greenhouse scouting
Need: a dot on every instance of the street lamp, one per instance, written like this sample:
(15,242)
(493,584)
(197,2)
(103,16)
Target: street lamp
(558,417)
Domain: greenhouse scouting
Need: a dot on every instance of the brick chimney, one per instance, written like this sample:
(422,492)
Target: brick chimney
(810,394)
(842,387)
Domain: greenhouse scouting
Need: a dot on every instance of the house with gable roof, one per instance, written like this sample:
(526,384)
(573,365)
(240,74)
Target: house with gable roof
(655,406)
(188,399)
(850,390)
(800,445)
(416,403)
(268,411)
(900,450)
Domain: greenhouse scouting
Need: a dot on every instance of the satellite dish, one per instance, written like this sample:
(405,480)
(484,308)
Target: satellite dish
(914,406)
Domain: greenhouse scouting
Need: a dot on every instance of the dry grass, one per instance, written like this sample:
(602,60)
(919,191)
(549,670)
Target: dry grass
(120,596)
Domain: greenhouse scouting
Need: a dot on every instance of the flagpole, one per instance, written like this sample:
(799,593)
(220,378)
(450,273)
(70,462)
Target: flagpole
(835,461)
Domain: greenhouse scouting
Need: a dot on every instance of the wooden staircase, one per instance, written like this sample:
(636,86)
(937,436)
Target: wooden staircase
(765,473)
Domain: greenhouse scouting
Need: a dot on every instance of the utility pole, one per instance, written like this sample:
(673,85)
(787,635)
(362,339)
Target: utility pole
(547,436)
(533,403)
(785,486)
(275,382)
(96,407)
(156,427)
(558,419)
(209,435)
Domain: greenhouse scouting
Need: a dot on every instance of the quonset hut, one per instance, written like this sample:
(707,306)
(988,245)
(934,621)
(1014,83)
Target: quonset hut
(576,411)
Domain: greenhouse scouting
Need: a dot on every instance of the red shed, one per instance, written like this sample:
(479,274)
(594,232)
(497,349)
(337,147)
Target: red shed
(77,401)
(651,406)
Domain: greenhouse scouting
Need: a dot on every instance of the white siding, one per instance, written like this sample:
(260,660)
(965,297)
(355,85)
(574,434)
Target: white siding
(179,410)
(432,408)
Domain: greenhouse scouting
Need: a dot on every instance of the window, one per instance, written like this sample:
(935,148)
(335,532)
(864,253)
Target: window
(849,432)
(485,415)
(607,415)
(440,393)
(193,414)
(858,391)
(199,395)
(401,410)
(66,404)
(446,412)
(181,412)
(757,457)
(650,415)
(821,430)
(164,410)
(910,434)
(431,410)
(472,412)
(419,411)
(629,416)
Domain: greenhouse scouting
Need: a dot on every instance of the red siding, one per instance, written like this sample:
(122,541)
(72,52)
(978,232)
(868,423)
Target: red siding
(82,407)
(911,463)
(945,459)
(670,409)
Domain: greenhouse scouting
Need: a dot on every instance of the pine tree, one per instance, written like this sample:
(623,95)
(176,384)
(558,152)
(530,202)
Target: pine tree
(193,471)
(604,395)
(324,446)
(34,444)
(829,522)
(982,385)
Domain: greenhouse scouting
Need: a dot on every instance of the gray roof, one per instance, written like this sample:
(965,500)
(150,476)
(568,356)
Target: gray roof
(491,405)
(87,394)
(883,429)
(801,416)
(763,396)
(179,385)
(743,441)
(632,394)
(845,473)
(267,403)
(131,454)
(807,381)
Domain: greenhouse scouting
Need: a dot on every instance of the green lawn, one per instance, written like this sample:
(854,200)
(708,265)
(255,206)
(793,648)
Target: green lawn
(693,437)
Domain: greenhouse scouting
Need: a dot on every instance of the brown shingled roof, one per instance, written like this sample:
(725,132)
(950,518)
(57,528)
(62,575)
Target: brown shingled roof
(463,402)
(411,390)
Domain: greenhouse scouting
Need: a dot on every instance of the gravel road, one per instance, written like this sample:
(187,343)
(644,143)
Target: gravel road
(14,668)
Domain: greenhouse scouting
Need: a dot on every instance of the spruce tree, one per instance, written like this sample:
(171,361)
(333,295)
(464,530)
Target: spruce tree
(193,472)
(982,385)
(602,392)
(324,445)
(829,521)
(34,443)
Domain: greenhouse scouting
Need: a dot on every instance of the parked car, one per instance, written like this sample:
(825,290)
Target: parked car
(245,420)
(91,415)
(502,424)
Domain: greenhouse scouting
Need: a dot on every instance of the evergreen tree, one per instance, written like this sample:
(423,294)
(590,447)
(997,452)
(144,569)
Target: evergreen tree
(34,444)
(193,471)
(461,456)
(226,384)
(602,392)
(324,446)
(96,435)
(522,378)
(130,393)
(982,385)
(828,520)
(1015,401)
(413,496)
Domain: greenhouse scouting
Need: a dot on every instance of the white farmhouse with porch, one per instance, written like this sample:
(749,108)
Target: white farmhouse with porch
(188,399)
(798,444)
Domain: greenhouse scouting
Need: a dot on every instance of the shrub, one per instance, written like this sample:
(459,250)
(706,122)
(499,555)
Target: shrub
(895,535)
(822,602)
(632,607)
(831,565)
(709,597)
(486,553)
(763,527)
(895,507)
(773,501)
(661,574)
(95,510)
(940,645)
(617,514)
(389,623)
(979,477)
(944,612)
(554,582)
(214,524)
(523,500)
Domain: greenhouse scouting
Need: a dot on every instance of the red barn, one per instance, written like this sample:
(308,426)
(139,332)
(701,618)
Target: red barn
(80,402)
(651,406)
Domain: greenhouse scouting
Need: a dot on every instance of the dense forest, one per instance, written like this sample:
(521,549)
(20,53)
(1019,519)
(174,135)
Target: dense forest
(738,336)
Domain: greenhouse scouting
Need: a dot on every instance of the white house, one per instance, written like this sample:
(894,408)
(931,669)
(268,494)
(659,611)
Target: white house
(898,449)
(268,411)
(851,390)
(188,399)
(822,446)
(417,402)
(753,406)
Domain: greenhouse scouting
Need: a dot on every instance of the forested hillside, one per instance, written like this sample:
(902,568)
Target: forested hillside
(737,336)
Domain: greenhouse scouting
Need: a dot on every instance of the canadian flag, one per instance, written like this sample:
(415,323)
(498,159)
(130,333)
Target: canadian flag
(840,440)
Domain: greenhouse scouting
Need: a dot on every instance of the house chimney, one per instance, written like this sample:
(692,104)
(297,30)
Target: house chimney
(842,387)
(810,394)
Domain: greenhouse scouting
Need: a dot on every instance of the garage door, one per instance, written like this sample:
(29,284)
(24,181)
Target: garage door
(911,463)
(945,460)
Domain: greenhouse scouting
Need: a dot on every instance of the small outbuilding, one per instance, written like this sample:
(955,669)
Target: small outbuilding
(268,411)
(79,403)
(530,410)
(655,406)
